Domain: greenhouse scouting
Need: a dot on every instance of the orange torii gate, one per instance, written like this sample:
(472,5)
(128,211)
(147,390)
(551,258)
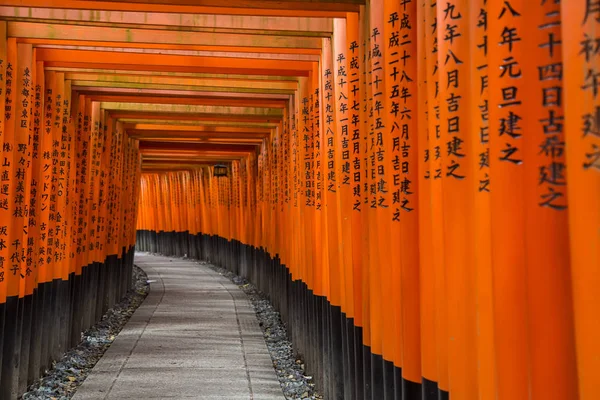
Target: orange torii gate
(416,184)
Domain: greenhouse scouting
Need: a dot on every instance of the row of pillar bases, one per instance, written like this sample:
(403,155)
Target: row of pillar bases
(36,330)
(322,335)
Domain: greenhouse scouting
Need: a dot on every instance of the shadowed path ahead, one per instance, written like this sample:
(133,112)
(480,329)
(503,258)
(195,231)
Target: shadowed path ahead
(195,336)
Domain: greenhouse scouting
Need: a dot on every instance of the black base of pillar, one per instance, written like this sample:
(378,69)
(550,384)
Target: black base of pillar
(37,329)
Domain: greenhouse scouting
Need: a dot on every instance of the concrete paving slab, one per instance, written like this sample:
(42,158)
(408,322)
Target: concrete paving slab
(194,337)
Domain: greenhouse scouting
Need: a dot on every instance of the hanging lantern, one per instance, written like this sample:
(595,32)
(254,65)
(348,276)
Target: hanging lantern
(220,170)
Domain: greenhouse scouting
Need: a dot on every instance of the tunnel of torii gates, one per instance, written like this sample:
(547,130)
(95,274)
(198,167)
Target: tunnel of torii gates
(416,185)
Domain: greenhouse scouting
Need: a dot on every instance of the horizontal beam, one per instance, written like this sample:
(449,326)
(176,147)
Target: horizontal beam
(194,119)
(183,82)
(195,129)
(225,123)
(188,100)
(222,91)
(320,9)
(191,75)
(175,91)
(178,68)
(179,50)
(191,22)
(159,164)
(120,77)
(195,157)
(33,30)
(211,140)
(193,148)
(195,109)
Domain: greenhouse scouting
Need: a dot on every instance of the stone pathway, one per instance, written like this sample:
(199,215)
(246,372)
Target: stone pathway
(195,337)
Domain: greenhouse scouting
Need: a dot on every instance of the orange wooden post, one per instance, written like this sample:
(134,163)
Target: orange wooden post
(28,91)
(433,282)
(191,197)
(36,180)
(581,58)
(4,180)
(425,139)
(96,143)
(405,143)
(133,168)
(45,254)
(328,154)
(396,113)
(296,265)
(137,167)
(319,243)
(117,145)
(180,185)
(342,165)
(11,241)
(309,141)
(125,204)
(9,168)
(343,158)
(11,232)
(65,182)
(59,186)
(508,216)
(366,212)
(23,147)
(284,187)
(277,192)
(479,163)
(378,244)
(158,203)
(104,186)
(553,366)
(334,273)
(457,194)
(355,69)
(83,180)
(205,218)
(73,132)
(198,201)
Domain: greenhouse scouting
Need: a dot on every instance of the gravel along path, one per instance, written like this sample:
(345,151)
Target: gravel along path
(68,373)
(289,368)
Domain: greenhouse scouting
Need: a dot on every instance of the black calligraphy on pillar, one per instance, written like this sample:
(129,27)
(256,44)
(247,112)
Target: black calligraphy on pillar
(5,180)
(329,133)
(402,64)
(510,122)
(8,106)
(483,174)
(378,186)
(343,119)
(355,123)
(453,79)
(552,172)
(295,169)
(22,162)
(32,213)
(316,152)
(435,153)
(590,119)
(307,139)
(46,177)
